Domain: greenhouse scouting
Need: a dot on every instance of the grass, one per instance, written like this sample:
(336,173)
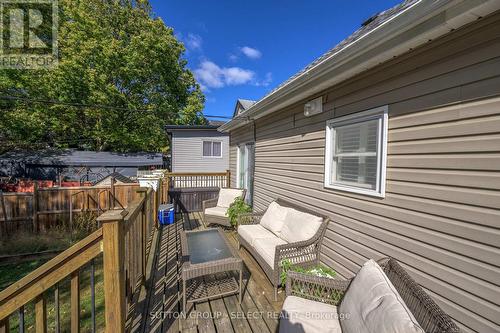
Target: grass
(27,242)
(10,273)
(55,239)
(65,307)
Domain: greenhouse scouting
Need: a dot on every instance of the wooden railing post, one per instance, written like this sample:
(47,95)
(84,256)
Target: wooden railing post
(114,270)
(75,301)
(4,326)
(41,314)
(228,178)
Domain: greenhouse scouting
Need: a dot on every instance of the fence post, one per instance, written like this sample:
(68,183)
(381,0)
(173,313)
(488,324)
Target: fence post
(35,206)
(228,178)
(4,228)
(144,221)
(114,269)
(113,193)
(167,185)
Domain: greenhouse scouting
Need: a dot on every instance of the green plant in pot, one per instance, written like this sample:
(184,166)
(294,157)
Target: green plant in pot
(236,208)
(317,270)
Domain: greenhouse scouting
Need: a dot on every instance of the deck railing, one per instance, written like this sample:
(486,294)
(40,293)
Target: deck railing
(198,179)
(123,243)
(35,287)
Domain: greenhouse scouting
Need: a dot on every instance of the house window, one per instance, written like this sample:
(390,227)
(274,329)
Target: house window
(212,149)
(356,152)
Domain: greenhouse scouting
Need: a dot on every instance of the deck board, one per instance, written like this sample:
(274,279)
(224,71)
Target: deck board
(160,310)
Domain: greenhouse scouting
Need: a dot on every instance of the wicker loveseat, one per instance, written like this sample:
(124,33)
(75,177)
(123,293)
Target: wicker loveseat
(283,231)
(396,303)
(214,210)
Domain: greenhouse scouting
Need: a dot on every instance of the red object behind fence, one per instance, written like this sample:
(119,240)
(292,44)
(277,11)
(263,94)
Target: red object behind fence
(28,186)
(75,184)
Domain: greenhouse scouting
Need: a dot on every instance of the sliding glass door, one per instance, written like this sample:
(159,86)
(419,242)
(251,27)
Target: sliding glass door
(246,164)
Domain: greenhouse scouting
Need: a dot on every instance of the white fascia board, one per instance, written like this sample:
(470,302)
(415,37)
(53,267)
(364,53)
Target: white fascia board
(411,28)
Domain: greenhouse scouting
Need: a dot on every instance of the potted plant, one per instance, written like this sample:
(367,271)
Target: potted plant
(236,208)
(317,270)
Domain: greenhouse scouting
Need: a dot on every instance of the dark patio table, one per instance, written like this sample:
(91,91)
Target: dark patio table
(205,253)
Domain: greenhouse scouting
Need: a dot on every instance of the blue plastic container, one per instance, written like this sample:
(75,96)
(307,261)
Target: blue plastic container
(166,214)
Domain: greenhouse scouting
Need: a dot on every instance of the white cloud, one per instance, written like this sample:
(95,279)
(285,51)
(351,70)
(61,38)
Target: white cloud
(193,41)
(268,78)
(235,76)
(233,57)
(251,52)
(210,75)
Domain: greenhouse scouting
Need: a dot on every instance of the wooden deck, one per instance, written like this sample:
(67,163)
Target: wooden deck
(158,310)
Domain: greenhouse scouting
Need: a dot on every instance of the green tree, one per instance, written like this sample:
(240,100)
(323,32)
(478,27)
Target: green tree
(111,53)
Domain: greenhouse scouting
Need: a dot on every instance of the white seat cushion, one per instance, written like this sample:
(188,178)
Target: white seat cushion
(266,247)
(252,232)
(374,305)
(227,196)
(300,315)
(299,226)
(216,211)
(274,218)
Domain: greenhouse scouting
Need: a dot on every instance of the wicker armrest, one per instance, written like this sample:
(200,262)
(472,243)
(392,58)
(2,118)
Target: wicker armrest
(316,288)
(301,252)
(249,218)
(297,253)
(209,203)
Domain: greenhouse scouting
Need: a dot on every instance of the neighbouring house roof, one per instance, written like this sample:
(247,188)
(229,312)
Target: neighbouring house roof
(212,125)
(246,103)
(70,157)
(118,177)
(383,36)
(242,105)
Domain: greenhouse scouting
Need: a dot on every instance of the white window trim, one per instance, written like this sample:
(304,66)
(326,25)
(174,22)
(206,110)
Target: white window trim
(238,165)
(380,113)
(212,142)
(238,160)
(238,178)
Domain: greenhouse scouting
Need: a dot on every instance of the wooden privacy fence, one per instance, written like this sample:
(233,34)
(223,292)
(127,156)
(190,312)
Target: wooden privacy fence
(54,206)
(124,244)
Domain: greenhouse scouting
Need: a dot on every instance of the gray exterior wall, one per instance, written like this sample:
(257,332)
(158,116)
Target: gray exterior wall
(187,151)
(441,214)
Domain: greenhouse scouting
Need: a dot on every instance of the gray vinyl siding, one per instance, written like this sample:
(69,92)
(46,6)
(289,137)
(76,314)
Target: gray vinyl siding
(187,151)
(441,214)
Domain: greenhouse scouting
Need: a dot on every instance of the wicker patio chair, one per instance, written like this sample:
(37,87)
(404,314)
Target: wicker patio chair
(326,290)
(305,253)
(216,219)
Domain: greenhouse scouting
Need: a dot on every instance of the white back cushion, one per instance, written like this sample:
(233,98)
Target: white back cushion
(274,218)
(299,226)
(373,305)
(227,196)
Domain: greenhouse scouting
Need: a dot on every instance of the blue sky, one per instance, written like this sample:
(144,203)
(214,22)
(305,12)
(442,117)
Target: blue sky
(243,49)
